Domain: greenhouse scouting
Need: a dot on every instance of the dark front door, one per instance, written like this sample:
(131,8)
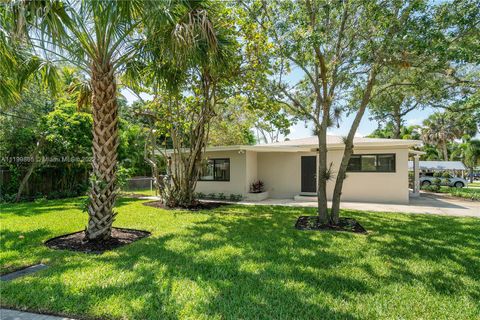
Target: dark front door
(309,171)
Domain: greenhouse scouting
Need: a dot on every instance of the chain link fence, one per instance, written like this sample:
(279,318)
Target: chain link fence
(140,185)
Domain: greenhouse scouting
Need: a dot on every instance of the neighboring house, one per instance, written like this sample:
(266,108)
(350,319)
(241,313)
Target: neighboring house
(378,170)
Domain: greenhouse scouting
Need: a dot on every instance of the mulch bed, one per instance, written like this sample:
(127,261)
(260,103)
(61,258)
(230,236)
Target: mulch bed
(76,241)
(345,224)
(200,205)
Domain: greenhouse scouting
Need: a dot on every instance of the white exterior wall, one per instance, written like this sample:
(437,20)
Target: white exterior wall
(281,173)
(383,187)
(251,168)
(238,173)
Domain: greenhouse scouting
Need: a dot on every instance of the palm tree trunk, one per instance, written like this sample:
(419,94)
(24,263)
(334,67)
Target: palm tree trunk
(105,142)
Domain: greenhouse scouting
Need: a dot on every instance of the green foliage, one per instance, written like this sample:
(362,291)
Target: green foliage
(67,133)
(236,197)
(211,195)
(388,132)
(232,124)
(219,196)
(467,193)
(446,175)
(440,128)
(431,188)
(123,174)
(131,149)
(200,195)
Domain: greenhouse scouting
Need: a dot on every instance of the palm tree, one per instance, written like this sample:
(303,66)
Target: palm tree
(186,77)
(472,156)
(469,153)
(99,38)
(439,130)
(94,36)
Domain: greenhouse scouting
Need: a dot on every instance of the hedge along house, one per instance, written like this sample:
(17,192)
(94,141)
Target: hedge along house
(378,169)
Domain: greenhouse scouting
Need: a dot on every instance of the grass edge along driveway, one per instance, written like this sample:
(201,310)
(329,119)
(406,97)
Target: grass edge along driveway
(244,262)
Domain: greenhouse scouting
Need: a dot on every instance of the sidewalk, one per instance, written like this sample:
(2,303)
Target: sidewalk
(8,314)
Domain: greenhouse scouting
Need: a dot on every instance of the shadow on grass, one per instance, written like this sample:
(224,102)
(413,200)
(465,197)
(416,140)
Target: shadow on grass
(433,240)
(46,206)
(249,262)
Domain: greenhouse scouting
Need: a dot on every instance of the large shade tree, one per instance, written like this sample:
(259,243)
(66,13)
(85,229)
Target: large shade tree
(189,79)
(341,52)
(340,49)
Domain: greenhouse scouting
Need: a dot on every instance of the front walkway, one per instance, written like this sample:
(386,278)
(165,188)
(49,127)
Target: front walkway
(425,204)
(8,314)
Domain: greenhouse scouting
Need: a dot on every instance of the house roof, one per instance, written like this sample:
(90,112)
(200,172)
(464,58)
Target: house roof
(439,165)
(307,144)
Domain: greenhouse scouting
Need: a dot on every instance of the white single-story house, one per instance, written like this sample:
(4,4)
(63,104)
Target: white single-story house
(378,170)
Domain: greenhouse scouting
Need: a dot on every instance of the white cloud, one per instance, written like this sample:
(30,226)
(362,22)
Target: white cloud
(414,121)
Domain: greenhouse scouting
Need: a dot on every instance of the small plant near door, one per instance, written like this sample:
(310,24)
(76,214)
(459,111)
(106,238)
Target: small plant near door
(257,187)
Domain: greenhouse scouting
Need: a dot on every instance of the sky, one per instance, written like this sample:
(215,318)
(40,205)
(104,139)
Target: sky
(367,126)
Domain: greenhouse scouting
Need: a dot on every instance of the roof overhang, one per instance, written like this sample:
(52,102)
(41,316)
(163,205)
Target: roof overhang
(416,152)
(312,148)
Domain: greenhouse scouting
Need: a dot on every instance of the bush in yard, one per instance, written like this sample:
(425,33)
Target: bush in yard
(200,195)
(211,195)
(431,188)
(446,175)
(236,197)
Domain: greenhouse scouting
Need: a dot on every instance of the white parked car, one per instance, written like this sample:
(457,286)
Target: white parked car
(457,182)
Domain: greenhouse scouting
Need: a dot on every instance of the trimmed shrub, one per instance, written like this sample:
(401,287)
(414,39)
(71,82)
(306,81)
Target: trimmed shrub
(236,197)
(211,195)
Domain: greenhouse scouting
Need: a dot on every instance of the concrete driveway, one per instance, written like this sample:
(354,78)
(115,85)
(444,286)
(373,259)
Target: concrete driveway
(425,204)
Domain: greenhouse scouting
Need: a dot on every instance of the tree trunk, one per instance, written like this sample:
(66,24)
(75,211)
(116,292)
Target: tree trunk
(105,142)
(398,124)
(180,187)
(341,175)
(321,176)
(32,166)
(445,150)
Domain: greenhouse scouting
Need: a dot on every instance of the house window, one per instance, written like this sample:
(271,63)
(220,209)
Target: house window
(216,170)
(372,163)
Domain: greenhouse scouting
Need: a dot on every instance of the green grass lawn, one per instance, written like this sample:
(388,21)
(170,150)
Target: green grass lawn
(145,192)
(245,262)
(467,193)
(474,184)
